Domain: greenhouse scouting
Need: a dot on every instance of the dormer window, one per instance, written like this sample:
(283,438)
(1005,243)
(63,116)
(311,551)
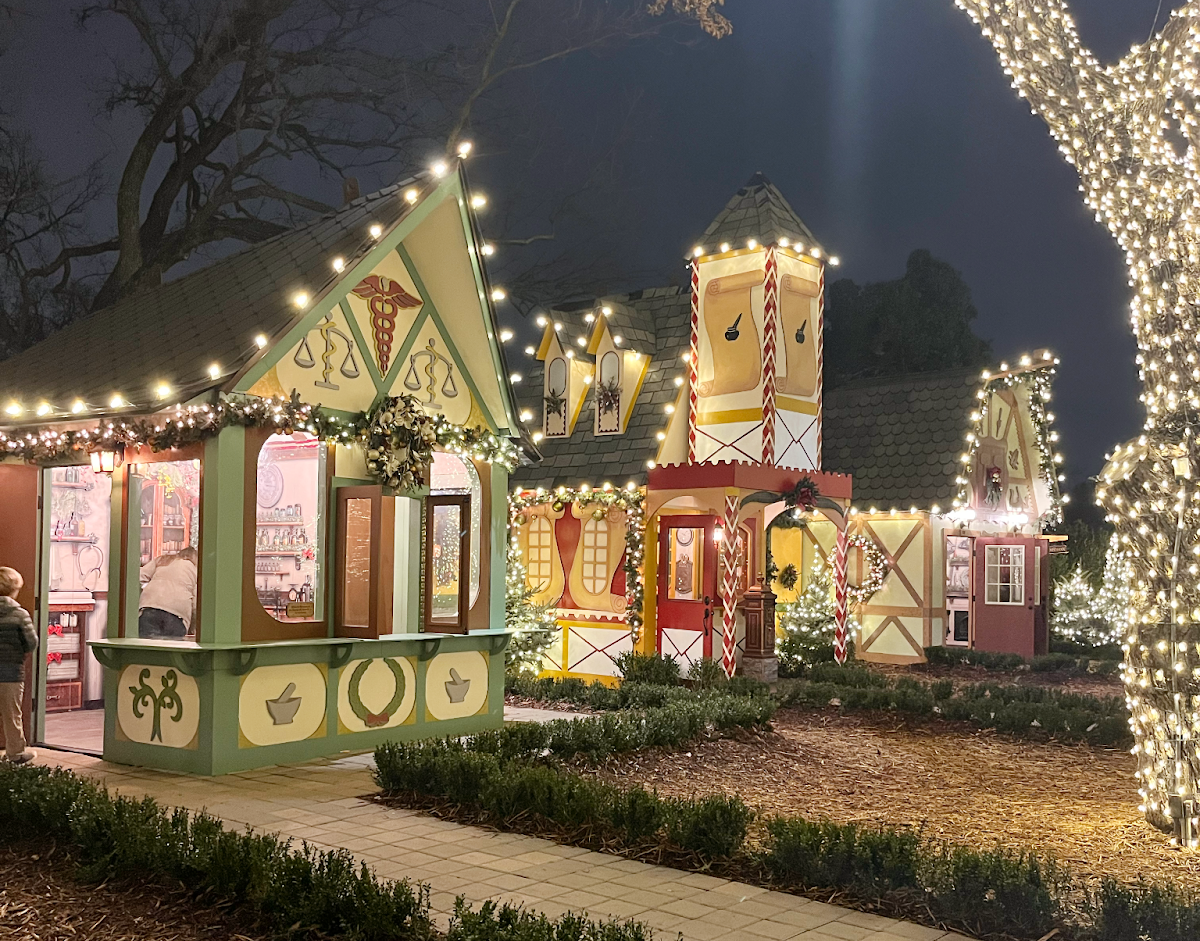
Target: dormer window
(608,394)
(555,398)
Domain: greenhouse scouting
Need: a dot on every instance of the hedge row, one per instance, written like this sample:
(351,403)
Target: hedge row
(298,893)
(985,892)
(1068,658)
(624,731)
(628,695)
(1029,711)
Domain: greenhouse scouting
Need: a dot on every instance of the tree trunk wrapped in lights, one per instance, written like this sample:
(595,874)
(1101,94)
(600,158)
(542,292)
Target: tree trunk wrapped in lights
(1131,131)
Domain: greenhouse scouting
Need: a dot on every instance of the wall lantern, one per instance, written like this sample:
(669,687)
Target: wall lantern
(718,535)
(107,460)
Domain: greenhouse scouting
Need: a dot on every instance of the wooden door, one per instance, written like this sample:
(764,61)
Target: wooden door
(1004,587)
(19,509)
(687,587)
(366,539)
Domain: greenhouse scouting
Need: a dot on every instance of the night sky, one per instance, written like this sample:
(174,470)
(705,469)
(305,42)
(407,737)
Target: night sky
(887,124)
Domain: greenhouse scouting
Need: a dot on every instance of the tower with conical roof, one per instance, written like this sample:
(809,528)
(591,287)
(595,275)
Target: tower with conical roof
(755,358)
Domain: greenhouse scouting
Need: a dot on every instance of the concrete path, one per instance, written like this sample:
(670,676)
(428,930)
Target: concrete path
(320,801)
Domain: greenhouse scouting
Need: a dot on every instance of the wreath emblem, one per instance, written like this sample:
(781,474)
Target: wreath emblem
(374,720)
(877,568)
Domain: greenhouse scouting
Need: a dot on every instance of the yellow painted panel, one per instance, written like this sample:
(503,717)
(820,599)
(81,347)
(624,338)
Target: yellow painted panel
(385,305)
(327,366)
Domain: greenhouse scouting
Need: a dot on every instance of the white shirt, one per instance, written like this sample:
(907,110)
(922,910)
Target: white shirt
(170,588)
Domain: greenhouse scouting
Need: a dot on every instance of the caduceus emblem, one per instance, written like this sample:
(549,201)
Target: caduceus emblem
(385,298)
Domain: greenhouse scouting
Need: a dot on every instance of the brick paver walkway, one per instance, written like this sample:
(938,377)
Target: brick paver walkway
(320,801)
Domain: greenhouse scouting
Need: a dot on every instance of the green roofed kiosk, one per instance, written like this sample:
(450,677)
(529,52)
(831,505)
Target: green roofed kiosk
(325,420)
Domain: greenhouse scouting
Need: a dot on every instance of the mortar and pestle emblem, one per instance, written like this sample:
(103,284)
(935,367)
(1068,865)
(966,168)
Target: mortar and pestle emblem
(284,708)
(732,333)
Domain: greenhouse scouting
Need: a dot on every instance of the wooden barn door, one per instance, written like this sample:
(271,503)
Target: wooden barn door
(1003,596)
(687,588)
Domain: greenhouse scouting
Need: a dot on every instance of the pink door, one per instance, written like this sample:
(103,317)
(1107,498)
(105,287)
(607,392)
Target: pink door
(687,587)
(1004,590)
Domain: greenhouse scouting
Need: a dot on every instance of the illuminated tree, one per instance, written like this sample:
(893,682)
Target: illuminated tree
(533,625)
(1131,131)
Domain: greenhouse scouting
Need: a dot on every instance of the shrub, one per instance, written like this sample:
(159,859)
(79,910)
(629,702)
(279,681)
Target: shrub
(955,656)
(1058,663)
(824,854)
(707,674)
(491,922)
(1099,652)
(654,668)
(1132,913)
(995,892)
(852,674)
(713,827)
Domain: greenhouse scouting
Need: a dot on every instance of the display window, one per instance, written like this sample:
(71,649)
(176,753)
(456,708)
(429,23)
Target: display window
(164,506)
(289,523)
(450,474)
(1005,574)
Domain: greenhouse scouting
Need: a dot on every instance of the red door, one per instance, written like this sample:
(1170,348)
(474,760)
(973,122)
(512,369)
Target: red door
(687,587)
(1003,594)
(18,550)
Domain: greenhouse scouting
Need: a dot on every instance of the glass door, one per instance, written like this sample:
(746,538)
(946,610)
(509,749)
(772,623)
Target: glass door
(447,548)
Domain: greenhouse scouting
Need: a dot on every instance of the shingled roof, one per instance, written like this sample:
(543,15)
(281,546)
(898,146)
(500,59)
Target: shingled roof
(758,211)
(591,458)
(900,437)
(173,332)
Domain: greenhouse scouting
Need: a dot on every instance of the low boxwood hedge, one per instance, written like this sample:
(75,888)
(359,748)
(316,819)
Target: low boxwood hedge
(1028,711)
(287,891)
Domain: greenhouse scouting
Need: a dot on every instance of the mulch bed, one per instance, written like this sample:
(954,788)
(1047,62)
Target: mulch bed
(41,901)
(1074,802)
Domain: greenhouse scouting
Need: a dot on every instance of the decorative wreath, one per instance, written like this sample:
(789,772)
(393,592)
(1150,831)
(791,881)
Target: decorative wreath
(399,440)
(373,720)
(877,568)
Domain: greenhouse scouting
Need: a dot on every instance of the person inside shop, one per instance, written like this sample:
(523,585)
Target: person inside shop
(168,599)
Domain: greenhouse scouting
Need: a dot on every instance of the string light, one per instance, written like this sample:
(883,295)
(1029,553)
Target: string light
(505,336)
(478,201)
(375,230)
(498,294)
(488,249)
(411,195)
(1117,126)
(261,341)
(339,263)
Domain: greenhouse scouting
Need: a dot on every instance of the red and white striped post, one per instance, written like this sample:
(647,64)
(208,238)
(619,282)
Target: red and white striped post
(770,305)
(840,597)
(728,551)
(693,362)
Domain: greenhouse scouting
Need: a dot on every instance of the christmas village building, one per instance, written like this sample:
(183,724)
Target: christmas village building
(326,420)
(689,450)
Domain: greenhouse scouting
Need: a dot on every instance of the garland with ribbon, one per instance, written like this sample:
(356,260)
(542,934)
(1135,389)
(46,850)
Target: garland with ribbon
(631,501)
(374,720)
(184,425)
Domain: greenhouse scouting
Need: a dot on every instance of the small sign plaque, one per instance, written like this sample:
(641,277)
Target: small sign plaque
(301,610)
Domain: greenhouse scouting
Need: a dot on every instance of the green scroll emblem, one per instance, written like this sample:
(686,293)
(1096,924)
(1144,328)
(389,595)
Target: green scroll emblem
(167,698)
(374,720)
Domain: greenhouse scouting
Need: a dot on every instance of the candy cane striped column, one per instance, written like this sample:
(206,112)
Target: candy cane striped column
(770,309)
(693,363)
(729,585)
(840,597)
(820,361)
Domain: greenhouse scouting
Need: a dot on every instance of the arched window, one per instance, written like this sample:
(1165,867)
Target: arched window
(595,556)
(608,394)
(556,398)
(537,565)
(452,474)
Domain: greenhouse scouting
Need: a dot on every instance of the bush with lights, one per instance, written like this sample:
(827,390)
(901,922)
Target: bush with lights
(533,625)
(806,625)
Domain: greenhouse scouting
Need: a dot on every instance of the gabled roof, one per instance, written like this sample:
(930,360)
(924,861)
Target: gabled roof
(172,333)
(585,456)
(758,211)
(901,437)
